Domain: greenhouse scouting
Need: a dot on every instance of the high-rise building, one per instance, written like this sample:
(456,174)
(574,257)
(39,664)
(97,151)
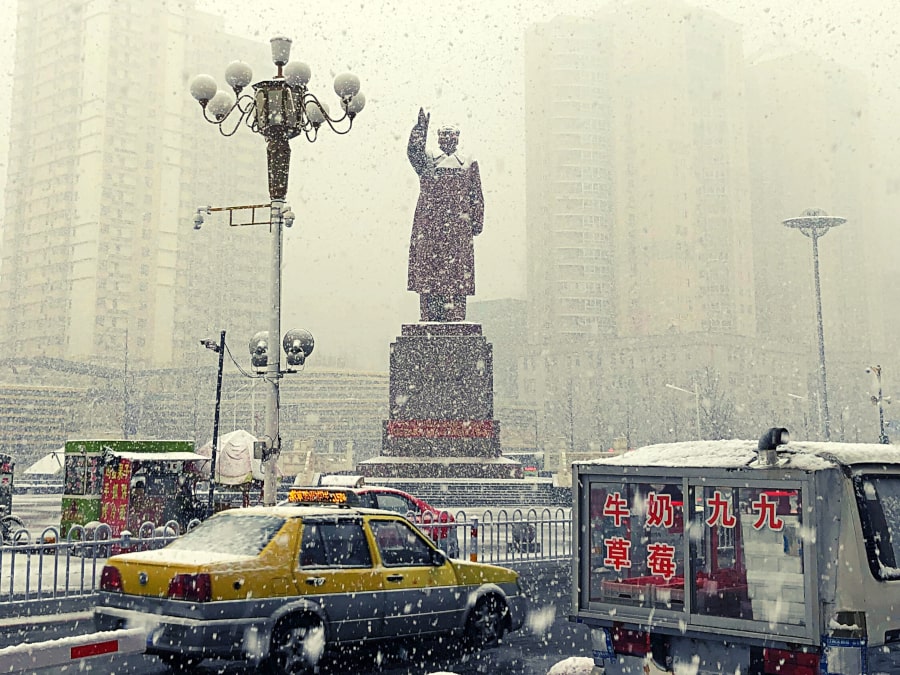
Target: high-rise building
(638,219)
(638,215)
(108,160)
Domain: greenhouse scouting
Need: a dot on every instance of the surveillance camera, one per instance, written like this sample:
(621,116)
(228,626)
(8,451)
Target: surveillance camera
(288,217)
(198,221)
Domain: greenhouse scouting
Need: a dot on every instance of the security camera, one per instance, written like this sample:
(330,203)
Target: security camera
(288,217)
(198,221)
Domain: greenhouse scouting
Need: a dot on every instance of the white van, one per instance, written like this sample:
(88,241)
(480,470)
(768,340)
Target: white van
(740,557)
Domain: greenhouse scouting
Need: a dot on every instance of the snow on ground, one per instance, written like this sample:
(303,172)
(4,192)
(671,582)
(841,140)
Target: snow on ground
(574,665)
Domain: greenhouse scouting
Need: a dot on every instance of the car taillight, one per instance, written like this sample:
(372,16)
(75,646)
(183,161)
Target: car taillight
(192,587)
(787,662)
(110,579)
(630,642)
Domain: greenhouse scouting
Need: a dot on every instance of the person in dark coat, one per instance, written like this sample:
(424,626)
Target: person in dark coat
(449,214)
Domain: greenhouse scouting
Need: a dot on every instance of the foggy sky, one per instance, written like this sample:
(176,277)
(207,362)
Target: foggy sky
(345,260)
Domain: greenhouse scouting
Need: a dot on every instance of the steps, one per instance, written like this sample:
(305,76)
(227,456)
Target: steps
(487,493)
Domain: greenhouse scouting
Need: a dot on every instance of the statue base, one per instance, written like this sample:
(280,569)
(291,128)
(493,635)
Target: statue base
(441,407)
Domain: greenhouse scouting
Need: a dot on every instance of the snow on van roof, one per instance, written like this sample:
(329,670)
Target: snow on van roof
(801,455)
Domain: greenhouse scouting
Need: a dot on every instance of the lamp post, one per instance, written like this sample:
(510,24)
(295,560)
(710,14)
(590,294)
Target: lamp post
(696,394)
(879,400)
(220,349)
(815,223)
(280,109)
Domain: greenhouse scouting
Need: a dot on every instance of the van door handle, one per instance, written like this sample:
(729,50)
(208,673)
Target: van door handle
(395,577)
(315,581)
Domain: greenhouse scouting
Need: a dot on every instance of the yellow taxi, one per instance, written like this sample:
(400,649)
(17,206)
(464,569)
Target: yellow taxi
(278,585)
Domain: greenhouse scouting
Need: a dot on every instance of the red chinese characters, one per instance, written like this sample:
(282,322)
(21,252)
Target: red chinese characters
(618,553)
(661,560)
(721,511)
(767,516)
(616,507)
(660,511)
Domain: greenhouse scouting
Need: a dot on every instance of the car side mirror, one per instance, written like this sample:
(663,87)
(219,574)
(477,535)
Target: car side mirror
(438,557)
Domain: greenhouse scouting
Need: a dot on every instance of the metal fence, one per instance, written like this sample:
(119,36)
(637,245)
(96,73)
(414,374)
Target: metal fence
(45,568)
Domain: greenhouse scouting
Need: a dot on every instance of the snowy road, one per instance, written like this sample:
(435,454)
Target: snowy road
(526,652)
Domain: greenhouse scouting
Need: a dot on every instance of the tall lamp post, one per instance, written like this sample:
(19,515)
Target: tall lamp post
(220,349)
(280,109)
(815,223)
(696,394)
(880,400)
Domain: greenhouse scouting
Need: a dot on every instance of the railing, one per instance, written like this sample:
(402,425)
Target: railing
(45,568)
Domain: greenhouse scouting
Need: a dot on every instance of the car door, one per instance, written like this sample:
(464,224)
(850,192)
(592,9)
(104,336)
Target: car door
(421,594)
(335,568)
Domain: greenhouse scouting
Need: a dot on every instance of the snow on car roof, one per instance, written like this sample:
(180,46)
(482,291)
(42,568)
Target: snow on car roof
(801,455)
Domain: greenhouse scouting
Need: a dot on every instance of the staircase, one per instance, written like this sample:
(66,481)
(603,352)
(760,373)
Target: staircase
(451,493)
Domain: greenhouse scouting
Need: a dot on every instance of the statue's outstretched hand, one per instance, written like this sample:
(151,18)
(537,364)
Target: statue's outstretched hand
(424,117)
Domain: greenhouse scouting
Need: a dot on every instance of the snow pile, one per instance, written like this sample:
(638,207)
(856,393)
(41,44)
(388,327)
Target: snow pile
(574,665)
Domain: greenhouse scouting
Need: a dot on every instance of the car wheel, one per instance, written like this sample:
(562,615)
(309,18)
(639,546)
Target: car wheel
(179,663)
(297,645)
(486,622)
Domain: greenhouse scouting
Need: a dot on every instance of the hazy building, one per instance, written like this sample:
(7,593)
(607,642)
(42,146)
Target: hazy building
(637,208)
(109,158)
(638,215)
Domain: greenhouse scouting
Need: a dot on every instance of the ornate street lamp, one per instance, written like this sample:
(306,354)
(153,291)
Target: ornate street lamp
(280,109)
(815,223)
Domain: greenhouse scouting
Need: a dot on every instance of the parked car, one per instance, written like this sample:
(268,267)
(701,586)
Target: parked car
(278,585)
(426,517)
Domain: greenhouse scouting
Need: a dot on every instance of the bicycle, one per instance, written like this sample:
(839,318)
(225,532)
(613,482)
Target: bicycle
(10,526)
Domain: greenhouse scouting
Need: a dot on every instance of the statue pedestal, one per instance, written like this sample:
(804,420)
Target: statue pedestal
(441,407)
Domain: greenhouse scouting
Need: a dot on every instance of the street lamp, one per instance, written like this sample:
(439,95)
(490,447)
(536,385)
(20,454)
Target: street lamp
(879,400)
(815,223)
(696,394)
(280,109)
(220,349)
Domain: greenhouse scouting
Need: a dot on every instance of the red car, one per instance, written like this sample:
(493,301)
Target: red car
(424,515)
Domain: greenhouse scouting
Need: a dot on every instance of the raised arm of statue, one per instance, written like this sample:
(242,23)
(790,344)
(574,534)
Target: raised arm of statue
(415,150)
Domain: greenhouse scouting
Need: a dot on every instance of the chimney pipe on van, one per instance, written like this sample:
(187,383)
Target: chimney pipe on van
(768,445)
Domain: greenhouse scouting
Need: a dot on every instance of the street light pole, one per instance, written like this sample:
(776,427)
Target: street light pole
(696,393)
(280,109)
(220,348)
(879,400)
(815,223)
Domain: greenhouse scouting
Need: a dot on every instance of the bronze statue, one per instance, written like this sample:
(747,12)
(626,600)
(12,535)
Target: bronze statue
(449,213)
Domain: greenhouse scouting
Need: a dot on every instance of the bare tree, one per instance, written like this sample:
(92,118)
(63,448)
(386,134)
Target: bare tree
(716,408)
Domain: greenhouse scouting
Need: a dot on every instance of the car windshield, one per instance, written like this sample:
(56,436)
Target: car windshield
(879,504)
(225,533)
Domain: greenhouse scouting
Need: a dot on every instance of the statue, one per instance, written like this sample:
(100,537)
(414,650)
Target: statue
(449,214)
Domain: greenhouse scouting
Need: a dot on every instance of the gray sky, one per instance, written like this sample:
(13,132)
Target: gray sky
(355,195)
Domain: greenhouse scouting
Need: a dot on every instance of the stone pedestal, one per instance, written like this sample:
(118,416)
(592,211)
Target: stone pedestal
(441,407)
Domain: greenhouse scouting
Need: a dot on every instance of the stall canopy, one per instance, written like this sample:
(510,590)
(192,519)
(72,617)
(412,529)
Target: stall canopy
(235,464)
(50,464)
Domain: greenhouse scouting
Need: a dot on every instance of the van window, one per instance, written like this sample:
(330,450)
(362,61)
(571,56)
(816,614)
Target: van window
(746,553)
(878,498)
(637,544)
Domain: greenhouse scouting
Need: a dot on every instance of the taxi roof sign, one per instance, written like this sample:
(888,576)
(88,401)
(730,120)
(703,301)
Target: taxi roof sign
(323,495)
